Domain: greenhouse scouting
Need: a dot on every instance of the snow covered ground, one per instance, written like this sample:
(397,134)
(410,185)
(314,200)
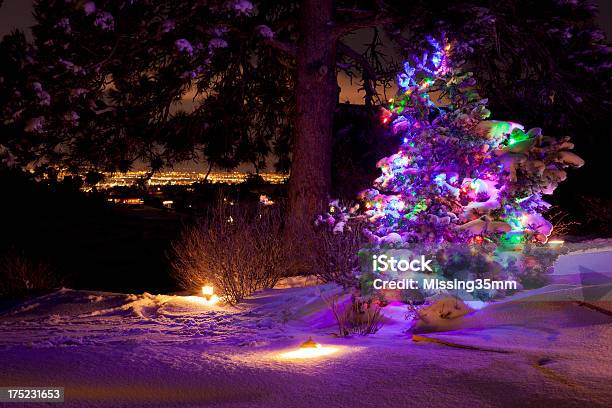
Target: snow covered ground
(538,348)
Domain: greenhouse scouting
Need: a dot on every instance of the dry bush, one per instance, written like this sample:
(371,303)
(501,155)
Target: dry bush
(20,275)
(236,248)
(359,317)
(335,255)
(561,221)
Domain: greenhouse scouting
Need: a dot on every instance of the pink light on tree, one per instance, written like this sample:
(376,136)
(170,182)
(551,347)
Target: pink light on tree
(457,175)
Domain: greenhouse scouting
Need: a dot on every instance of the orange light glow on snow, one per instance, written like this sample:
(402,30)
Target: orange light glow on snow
(213,300)
(209,297)
(309,349)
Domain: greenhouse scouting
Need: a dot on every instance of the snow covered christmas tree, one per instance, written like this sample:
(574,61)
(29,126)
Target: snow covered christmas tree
(459,177)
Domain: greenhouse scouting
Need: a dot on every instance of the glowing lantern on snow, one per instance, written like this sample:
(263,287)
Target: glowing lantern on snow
(310,343)
(309,349)
(209,294)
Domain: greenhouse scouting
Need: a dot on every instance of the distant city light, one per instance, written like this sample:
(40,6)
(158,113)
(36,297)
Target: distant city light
(126,201)
(265,200)
(183,178)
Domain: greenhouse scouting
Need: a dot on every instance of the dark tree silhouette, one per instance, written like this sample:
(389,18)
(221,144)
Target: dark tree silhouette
(99,86)
(544,61)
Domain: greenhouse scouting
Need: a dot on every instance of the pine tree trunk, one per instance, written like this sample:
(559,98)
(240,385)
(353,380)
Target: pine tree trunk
(316,99)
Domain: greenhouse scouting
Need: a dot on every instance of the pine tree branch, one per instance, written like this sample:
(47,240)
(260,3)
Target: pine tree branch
(344,49)
(372,20)
(369,73)
(288,49)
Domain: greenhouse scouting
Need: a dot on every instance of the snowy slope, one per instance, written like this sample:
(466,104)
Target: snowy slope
(538,348)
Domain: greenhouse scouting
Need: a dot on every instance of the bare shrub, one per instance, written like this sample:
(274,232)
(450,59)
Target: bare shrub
(236,248)
(20,274)
(561,221)
(360,316)
(338,312)
(335,254)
